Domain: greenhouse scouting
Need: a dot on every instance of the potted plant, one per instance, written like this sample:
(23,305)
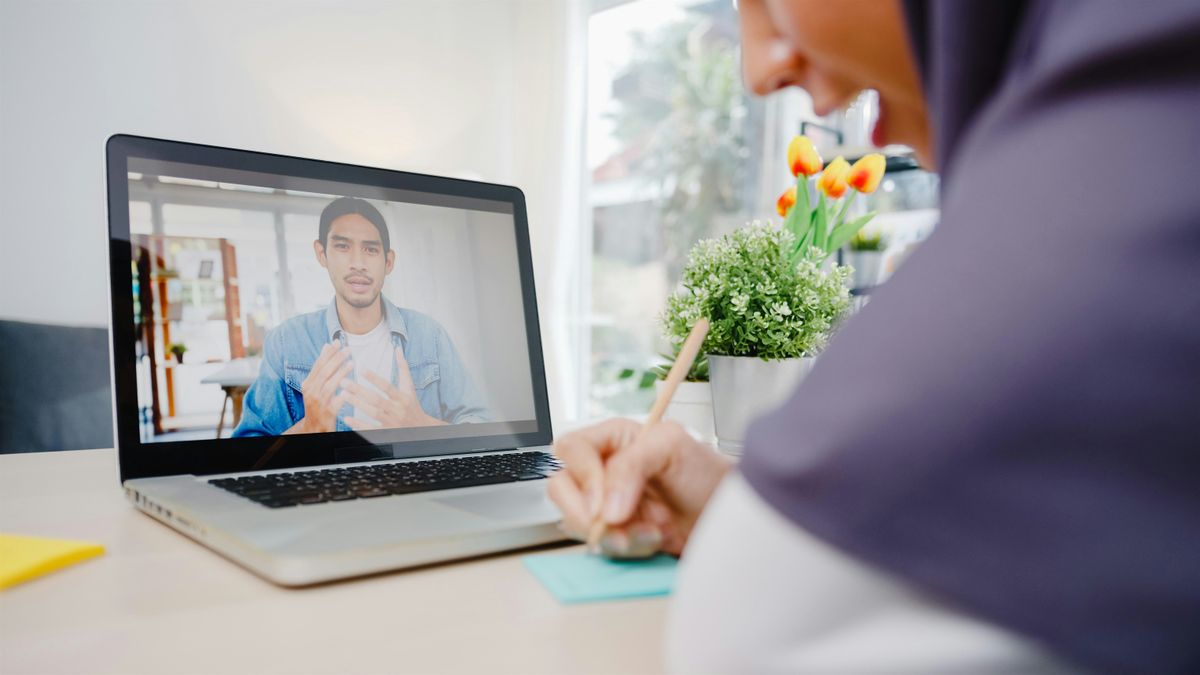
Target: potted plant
(769,316)
(178,349)
(692,404)
(821,222)
(771,295)
(865,253)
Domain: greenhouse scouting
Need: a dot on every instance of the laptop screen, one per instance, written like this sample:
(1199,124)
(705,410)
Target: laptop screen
(362,312)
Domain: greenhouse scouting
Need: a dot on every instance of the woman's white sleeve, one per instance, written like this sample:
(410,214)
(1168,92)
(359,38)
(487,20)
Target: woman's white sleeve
(758,594)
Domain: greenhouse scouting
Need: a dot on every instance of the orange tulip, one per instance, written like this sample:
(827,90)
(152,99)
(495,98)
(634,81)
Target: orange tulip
(802,157)
(833,180)
(786,201)
(866,173)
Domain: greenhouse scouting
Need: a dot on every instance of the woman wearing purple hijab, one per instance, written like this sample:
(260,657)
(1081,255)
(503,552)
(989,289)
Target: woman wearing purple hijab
(995,466)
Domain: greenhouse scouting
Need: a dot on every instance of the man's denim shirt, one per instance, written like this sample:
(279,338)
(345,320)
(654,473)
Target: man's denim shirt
(444,388)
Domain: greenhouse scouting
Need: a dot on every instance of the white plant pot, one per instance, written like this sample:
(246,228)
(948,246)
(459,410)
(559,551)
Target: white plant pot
(868,268)
(692,407)
(747,387)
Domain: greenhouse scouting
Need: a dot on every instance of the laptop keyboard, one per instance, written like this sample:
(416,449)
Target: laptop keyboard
(278,490)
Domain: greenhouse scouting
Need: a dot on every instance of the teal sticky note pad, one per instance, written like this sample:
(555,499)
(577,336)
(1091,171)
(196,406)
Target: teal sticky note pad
(581,577)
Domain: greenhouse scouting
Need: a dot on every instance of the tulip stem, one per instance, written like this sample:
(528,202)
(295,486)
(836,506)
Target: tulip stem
(802,198)
(841,216)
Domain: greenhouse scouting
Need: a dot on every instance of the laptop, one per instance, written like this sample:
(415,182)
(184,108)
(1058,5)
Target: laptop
(324,370)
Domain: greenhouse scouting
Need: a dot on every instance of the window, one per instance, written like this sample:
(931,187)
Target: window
(672,153)
(677,150)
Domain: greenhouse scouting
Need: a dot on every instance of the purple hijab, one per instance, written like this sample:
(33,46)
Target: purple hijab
(1013,423)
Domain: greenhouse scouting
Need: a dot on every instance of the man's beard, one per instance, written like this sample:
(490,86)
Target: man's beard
(360,303)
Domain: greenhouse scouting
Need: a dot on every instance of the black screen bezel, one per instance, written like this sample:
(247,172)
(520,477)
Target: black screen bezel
(229,455)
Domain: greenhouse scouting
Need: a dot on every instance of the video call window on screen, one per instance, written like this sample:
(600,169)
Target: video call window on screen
(270,305)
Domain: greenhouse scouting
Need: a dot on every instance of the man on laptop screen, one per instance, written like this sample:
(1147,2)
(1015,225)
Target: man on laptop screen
(269,304)
(362,362)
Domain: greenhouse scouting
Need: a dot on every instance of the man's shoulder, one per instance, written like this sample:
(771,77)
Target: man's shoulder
(301,324)
(416,321)
(301,332)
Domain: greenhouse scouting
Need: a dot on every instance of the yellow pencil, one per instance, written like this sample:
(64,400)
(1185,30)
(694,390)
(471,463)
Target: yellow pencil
(683,363)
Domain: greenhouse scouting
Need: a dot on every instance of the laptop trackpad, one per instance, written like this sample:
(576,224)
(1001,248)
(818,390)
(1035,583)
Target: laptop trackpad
(512,504)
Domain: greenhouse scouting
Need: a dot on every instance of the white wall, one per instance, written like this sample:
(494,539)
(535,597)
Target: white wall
(472,88)
(460,267)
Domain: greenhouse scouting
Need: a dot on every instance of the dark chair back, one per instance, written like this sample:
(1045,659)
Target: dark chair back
(54,388)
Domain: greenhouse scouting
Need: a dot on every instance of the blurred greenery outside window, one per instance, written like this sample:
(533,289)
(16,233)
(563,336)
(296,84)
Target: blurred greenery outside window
(673,156)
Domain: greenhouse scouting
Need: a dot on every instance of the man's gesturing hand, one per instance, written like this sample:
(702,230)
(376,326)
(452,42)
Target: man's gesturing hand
(320,390)
(395,408)
(649,488)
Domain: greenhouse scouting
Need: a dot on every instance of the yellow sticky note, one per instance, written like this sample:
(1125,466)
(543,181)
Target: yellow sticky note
(23,558)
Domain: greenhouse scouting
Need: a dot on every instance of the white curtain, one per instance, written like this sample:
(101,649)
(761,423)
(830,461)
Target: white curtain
(549,165)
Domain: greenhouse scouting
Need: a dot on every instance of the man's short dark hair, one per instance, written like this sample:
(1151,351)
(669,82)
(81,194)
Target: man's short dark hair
(344,206)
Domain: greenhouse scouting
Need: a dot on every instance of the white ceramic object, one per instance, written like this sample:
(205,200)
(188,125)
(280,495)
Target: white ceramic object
(692,407)
(868,268)
(746,387)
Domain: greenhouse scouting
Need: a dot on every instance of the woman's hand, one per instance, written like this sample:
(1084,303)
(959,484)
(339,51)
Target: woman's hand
(648,489)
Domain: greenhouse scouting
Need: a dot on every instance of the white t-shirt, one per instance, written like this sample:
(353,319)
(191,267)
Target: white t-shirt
(371,352)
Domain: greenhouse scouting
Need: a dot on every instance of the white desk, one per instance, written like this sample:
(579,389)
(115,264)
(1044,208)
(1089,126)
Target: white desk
(157,602)
(234,378)
(236,373)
